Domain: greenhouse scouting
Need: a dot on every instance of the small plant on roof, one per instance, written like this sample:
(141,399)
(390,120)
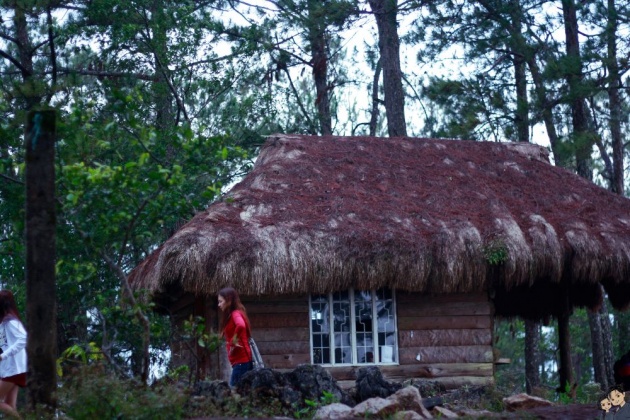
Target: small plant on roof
(495,252)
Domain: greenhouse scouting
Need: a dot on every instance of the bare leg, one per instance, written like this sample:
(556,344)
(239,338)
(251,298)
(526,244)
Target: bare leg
(11,398)
(6,391)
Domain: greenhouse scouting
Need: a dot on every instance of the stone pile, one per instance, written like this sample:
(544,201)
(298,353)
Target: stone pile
(372,396)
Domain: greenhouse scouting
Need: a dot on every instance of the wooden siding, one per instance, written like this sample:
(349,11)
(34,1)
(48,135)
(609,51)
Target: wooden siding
(281,330)
(445,338)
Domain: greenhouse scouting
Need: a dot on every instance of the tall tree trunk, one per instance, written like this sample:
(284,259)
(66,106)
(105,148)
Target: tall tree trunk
(317,41)
(522,104)
(532,341)
(41,301)
(546,109)
(375,100)
(597,346)
(609,357)
(565,370)
(521,120)
(167,115)
(33,94)
(614,85)
(385,12)
(521,117)
(617,176)
(582,137)
(623,332)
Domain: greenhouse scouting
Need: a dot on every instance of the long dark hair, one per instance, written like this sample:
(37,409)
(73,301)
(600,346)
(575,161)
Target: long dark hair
(8,308)
(234,303)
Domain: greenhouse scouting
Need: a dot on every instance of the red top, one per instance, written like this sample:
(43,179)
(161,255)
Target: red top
(236,332)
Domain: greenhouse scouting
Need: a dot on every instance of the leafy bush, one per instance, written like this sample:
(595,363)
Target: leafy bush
(93,392)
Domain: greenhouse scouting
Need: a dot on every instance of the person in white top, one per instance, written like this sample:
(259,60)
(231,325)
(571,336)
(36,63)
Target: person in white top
(13,365)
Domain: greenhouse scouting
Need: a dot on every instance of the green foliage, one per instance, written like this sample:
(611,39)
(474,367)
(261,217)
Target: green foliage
(194,329)
(94,393)
(311,406)
(179,373)
(79,355)
(495,252)
(509,343)
(509,336)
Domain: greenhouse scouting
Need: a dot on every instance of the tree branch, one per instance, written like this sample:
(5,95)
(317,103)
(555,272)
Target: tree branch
(133,220)
(9,38)
(17,181)
(178,100)
(15,62)
(297,98)
(107,74)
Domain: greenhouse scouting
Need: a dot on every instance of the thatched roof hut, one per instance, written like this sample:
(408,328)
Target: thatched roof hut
(318,214)
(411,245)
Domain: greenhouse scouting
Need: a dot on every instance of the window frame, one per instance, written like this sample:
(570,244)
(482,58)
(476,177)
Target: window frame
(353,332)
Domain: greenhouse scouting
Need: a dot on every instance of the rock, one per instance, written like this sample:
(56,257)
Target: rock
(311,381)
(476,413)
(431,402)
(407,415)
(409,398)
(217,391)
(426,387)
(444,412)
(524,402)
(379,407)
(292,389)
(333,411)
(370,384)
(265,384)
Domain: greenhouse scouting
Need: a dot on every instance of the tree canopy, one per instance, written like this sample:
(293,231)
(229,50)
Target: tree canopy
(162,105)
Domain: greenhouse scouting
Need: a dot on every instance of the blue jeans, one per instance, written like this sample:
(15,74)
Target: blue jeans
(238,371)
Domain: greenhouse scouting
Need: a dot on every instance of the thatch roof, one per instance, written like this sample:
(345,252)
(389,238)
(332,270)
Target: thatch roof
(318,214)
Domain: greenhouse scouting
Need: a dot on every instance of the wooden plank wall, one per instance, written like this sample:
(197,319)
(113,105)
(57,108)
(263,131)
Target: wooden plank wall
(281,330)
(447,338)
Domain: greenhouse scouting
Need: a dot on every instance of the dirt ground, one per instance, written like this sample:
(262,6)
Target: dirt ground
(560,412)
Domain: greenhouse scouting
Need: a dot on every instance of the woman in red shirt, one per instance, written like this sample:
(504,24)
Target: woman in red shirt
(236,331)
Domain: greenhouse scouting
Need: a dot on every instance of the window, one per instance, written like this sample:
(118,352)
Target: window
(353,327)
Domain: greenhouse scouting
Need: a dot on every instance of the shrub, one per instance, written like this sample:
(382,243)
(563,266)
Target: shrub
(93,392)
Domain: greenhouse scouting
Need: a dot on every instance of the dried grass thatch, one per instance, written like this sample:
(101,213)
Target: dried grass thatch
(318,214)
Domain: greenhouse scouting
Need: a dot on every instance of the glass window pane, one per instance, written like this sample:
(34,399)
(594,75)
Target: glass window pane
(342,327)
(341,314)
(343,348)
(343,296)
(386,326)
(363,324)
(384,294)
(369,315)
(362,296)
(320,329)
